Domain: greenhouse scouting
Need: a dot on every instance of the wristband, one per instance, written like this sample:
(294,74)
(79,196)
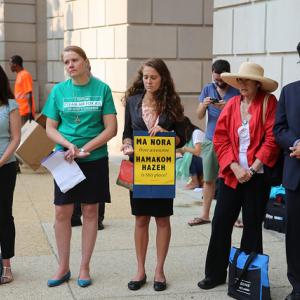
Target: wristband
(252,171)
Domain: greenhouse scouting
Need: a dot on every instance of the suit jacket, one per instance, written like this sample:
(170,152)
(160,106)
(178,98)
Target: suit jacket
(134,120)
(287,131)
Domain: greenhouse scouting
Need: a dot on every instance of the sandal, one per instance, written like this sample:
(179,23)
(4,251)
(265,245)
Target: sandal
(6,276)
(190,186)
(198,221)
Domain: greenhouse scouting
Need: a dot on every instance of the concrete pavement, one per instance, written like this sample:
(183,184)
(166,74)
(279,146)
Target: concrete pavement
(113,262)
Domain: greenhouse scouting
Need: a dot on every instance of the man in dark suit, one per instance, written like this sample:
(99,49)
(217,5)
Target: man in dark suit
(287,133)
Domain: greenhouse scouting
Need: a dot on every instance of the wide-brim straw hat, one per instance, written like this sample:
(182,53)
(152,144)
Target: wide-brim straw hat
(250,70)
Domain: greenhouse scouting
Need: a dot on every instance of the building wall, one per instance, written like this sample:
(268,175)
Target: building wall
(118,35)
(18,36)
(55,18)
(263,31)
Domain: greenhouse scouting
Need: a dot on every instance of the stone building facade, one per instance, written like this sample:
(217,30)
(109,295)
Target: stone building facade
(263,31)
(119,34)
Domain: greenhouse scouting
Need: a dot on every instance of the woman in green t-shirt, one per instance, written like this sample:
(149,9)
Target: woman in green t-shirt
(81,119)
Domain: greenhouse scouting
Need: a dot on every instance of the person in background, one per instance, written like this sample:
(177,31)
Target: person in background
(76,216)
(212,100)
(152,105)
(244,142)
(287,134)
(23,89)
(81,119)
(10,134)
(191,163)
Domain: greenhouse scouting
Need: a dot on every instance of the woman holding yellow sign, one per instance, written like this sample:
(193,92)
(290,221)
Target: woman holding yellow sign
(152,105)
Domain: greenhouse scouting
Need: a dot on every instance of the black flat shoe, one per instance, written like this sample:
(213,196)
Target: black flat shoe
(100,225)
(159,286)
(136,285)
(208,283)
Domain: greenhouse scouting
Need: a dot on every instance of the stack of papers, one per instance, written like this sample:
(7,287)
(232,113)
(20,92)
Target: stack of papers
(66,174)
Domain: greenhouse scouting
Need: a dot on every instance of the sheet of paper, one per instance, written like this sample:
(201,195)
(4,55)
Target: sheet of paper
(66,174)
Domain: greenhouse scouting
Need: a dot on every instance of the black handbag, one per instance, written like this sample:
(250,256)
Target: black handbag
(275,218)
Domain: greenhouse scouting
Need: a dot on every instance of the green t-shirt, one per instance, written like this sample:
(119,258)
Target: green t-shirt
(79,110)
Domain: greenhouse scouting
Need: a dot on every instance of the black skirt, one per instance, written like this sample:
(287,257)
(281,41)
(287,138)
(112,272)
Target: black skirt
(155,207)
(94,189)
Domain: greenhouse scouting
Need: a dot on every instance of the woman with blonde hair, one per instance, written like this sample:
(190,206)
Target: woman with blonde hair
(81,119)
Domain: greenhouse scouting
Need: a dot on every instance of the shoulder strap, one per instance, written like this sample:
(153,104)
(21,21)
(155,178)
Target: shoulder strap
(264,109)
(249,260)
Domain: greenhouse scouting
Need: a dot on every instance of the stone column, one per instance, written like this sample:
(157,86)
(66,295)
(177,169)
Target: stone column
(18,36)
(118,35)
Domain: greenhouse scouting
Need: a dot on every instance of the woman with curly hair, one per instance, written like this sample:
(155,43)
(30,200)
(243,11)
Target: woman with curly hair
(152,105)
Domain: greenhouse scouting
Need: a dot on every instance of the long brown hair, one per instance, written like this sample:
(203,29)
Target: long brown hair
(167,99)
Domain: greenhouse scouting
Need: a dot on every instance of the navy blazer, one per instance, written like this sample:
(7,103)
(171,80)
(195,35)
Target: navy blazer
(287,131)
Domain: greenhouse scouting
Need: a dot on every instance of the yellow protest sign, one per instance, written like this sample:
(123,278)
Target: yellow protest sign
(154,160)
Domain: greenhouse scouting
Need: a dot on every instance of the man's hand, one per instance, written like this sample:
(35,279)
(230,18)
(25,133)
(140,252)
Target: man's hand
(220,105)
(207,101)
(295,151)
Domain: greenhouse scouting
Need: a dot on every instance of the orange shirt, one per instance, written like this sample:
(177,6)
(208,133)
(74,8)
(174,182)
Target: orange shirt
(23,86)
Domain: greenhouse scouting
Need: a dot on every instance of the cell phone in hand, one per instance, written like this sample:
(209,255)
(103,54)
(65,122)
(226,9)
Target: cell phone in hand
(214,100)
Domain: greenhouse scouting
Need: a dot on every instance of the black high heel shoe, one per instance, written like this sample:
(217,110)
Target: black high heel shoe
(136,285)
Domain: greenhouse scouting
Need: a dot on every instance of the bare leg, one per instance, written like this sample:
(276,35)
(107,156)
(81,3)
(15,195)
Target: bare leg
(89,235)
(163,236)
(141,238)
(63,234)
(6,276)
(209,189)
(6,262)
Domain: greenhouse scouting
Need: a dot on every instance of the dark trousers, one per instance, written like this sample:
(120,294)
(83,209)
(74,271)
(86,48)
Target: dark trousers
(292,237)
(77,211)
(8,175)
(252,197)
(196,167)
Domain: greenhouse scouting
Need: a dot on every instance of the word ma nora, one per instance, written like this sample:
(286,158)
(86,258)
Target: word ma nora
(153,142)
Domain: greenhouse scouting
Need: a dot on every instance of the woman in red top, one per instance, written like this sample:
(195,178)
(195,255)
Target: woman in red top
(244,142)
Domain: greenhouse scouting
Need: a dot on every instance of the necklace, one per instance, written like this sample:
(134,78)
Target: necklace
(76,117)
(245,116)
